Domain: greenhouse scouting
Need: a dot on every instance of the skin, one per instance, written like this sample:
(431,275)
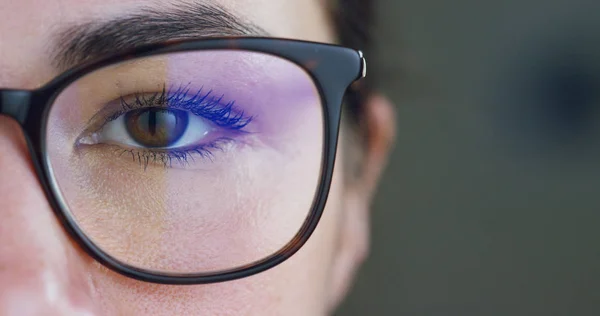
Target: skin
(42,271)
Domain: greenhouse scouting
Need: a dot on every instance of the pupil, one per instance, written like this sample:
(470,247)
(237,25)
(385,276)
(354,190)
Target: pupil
(156,127)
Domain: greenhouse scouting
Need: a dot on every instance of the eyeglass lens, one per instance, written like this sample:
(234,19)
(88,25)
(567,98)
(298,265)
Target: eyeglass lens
(192,162)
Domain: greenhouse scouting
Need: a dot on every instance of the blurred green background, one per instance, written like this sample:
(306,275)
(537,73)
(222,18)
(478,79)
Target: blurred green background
(491,205)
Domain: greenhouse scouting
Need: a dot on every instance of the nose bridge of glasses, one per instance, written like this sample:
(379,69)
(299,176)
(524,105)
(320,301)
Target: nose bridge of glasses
(15,104)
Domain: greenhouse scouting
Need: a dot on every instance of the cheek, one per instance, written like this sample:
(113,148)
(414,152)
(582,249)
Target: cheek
(298,287)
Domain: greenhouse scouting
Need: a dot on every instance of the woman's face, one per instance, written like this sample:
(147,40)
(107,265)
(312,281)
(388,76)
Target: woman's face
(262,183)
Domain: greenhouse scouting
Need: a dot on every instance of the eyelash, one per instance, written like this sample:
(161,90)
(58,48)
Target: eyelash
(146,157)
(203,105)
(197,103)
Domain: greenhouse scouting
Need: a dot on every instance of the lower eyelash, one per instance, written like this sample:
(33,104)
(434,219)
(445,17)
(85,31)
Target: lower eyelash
(181,156)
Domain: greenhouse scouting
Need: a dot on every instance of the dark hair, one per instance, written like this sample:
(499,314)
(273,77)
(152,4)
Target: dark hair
(353,23)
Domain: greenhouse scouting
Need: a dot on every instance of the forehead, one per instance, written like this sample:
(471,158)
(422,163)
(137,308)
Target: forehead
(29,27)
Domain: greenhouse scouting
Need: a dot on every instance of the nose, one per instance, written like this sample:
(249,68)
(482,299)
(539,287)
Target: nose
(41,271)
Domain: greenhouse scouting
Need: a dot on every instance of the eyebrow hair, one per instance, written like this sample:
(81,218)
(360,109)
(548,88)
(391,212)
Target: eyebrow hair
(84,42)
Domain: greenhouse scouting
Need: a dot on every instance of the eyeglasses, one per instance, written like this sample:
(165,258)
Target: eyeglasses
(191,162)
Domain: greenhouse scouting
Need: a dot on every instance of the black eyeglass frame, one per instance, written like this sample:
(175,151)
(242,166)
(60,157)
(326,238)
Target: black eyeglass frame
(332,68)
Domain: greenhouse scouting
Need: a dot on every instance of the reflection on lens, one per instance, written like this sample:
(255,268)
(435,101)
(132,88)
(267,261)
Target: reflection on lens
(192,162)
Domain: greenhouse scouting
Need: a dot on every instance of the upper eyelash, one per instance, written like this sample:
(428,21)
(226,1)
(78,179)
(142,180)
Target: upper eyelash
(201,104)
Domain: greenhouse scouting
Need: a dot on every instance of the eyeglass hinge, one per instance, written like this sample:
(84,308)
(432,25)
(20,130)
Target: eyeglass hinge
(363,64)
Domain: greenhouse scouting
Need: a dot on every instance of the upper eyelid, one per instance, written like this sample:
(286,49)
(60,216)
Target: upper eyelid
(223,115)
(235,122)
(212,108)
(113,109)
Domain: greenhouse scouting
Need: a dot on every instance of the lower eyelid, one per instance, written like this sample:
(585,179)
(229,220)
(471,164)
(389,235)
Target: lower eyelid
(145,158)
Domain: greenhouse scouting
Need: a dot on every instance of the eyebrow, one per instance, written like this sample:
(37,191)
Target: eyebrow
(80,43)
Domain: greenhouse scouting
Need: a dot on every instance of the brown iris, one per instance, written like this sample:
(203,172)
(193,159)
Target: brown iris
(156,127)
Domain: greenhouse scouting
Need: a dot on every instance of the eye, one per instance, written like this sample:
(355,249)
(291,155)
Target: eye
(157,128)
(165,126)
